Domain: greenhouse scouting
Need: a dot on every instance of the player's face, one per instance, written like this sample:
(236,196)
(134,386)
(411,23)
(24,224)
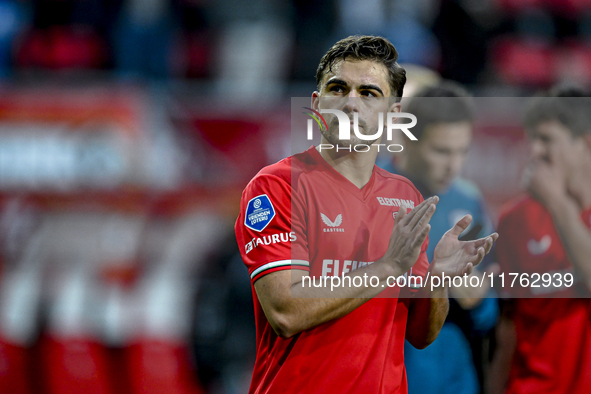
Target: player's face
(355,86)
(436,159)
(553,143)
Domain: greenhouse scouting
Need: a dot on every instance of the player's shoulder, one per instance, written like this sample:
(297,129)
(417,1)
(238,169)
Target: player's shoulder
(280,170)
(281,173)
(394,179)
(396,186)
(520,208)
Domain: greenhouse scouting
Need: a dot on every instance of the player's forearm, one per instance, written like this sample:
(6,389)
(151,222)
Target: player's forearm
(575,236)
(291,307)
(426,316)
(302,306)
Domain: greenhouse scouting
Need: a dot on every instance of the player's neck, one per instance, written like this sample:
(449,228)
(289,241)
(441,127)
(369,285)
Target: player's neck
(357,167)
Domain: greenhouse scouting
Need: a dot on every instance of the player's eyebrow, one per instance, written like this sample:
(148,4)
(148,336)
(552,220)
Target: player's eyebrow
(336,81)
(371,87)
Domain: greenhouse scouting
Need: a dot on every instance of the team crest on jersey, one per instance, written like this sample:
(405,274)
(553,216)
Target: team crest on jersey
(537,248)
(259,213)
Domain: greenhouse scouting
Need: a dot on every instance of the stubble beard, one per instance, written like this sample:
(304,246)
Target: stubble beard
(332,136)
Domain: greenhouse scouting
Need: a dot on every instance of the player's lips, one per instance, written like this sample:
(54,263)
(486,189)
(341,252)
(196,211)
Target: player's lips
(335,122)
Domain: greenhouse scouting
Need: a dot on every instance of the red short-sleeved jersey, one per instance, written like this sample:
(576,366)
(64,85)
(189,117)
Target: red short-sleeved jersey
(301,213)
(553,351)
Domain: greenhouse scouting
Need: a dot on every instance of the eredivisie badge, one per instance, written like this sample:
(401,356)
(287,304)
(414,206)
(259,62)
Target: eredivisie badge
(259,213)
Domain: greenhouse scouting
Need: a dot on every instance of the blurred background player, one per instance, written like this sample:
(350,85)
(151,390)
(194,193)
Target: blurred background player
(418,78)
(544,345)
(433,163)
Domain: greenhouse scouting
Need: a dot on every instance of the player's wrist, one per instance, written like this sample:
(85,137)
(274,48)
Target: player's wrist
(437,271)
(438,286)
(389,268)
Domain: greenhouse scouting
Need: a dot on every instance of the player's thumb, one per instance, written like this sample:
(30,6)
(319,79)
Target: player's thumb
(461,225)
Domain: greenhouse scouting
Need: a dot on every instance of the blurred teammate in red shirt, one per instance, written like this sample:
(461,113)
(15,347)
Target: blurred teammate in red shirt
(544,344)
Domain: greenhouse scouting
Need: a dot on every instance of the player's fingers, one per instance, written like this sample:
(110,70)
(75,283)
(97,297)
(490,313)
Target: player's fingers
(489,243)
(486,242)
(400,215)
(409,215)
(481,241)
(422,236)
(425,217)
(422,211)
(468,269)
(477,258)
(416,209)
(460,226)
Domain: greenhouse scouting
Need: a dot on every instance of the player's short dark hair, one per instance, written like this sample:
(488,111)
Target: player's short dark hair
(567,104)
(446,102)
(360,47)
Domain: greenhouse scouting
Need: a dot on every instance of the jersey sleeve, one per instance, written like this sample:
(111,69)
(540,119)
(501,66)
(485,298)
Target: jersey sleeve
(270,229)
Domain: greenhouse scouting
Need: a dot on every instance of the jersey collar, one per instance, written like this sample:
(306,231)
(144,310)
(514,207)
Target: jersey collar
(339,179)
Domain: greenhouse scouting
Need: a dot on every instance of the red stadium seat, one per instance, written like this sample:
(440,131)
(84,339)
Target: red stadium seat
(15,376)
(62,48)
(569,7)
(75,366)
(573,62)
(523,62)
(161,367)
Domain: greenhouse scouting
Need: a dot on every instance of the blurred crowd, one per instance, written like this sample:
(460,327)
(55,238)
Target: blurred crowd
(484,43)
(128,129)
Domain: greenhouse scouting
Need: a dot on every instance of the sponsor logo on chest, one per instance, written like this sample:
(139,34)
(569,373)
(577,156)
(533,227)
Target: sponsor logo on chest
(396,202)
(341,267)
(333,226)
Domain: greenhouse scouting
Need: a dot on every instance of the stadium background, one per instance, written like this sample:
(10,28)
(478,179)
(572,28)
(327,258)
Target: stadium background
(128,129)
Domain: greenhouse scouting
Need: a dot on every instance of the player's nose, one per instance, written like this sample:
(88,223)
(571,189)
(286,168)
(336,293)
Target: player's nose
(536,149)
(351,102)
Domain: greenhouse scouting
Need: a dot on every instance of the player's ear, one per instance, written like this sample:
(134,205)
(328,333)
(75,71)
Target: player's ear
(395,106)
(315,100)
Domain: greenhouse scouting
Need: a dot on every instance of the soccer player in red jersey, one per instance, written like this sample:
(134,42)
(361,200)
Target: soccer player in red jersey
(328,213)
(544,344)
